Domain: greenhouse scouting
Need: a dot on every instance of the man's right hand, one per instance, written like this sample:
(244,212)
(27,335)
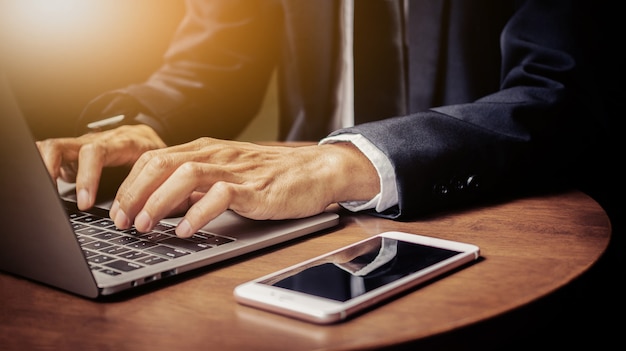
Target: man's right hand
(82,159)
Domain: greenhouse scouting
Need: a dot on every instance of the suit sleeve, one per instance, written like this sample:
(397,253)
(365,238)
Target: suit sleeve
(214,74)
(523,137)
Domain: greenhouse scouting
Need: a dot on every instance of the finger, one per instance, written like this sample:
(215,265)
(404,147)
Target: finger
(177,189)
(150,170)
(90,163)
(195,197)
(212,204)
(51,159)
(68,171)
(55,153)
(145,177)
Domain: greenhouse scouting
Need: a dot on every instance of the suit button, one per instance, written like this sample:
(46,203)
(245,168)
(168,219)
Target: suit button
(458,184)
(472,182)
(441,189)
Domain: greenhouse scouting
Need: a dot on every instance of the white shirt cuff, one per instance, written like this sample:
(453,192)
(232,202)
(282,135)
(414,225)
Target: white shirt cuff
(388,195)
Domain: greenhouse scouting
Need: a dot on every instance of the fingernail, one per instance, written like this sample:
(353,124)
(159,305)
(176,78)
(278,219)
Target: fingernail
(83,199)
(121,220)
(184,229)
(115,206)
(143,222)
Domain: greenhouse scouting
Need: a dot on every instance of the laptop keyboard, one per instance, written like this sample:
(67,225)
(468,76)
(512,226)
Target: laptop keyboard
(112,251)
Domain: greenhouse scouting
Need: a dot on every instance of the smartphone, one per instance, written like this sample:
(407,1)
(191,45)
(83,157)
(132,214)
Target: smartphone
(334,286)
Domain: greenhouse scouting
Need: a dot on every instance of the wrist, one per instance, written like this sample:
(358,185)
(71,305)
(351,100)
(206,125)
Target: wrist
(354,177)
(123,119)
(112,110)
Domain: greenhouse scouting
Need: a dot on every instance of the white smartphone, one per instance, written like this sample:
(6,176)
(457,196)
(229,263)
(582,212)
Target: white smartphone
(334,286)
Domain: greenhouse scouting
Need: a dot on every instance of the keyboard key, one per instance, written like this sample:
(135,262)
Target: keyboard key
(86,230)
(105,235)
(78,226)
(110,272)
(131,231)
(168,251)
(89,253)
(154,236)
(133,255)
(75,215)
(124,240)
(185,244)
(87,219)
(82,239)
(151,260)
(97,245)
(219,240)
(114,250)
(100,259)
(124,266)
(164,227)
(201,237)
(104,223)
(141,244)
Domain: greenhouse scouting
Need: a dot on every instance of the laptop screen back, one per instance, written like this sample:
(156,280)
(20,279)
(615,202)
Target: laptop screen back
(37,240)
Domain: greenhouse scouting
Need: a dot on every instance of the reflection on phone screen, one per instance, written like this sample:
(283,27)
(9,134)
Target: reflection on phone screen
(361,268)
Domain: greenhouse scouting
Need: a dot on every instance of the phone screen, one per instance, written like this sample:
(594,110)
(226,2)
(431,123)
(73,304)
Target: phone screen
(359,269)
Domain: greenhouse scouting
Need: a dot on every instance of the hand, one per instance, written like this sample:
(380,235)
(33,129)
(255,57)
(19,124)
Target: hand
(82,159)
(208,176)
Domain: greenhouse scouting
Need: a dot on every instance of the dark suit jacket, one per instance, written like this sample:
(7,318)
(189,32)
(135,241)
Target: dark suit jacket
(499,97)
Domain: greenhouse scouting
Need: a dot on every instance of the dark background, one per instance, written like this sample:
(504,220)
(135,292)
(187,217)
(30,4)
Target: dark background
(59,54)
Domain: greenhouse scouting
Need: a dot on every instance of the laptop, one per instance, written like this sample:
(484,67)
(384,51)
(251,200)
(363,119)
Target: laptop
(48,240)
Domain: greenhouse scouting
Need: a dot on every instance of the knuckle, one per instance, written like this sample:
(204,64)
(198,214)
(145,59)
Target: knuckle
(224,188)
(145,157)
(205,141)
(158,163)
(158,160)
(125,198)
(190,170)
(123,129)
(94,147)
(48,145)
(155,160)
(43,143)
(156,201)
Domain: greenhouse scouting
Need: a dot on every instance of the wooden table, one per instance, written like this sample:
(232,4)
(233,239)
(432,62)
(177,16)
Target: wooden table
(531,247)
